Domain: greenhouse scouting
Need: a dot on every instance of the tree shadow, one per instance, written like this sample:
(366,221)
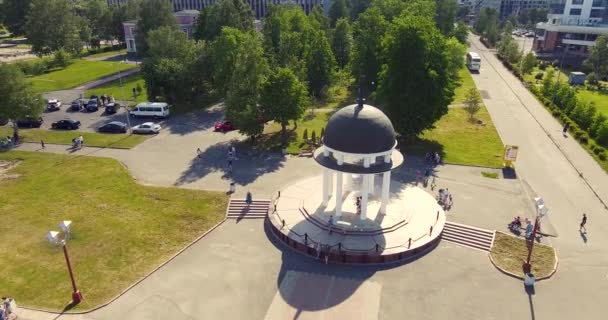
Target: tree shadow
(250,164)
(530,291)
(193,121)
(509,173)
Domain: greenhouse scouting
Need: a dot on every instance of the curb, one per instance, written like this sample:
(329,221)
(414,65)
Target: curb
(513,275)
(133,284)
(67,144)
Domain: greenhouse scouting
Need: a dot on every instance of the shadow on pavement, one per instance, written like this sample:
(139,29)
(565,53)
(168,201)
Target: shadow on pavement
(307,284)
(194,121)
(531,291)
(509,173)
(250,164)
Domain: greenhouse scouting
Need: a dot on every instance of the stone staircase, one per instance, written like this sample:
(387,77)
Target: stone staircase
(239,209)
(472,237)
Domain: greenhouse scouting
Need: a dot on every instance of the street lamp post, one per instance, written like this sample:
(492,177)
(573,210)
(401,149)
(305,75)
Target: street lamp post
(53,238)
(122,89)
(541,210)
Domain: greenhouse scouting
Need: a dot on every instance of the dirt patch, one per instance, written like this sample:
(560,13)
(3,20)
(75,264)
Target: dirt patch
(5,167)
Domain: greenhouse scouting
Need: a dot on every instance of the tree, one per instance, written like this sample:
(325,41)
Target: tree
(492,34)
(509,50)
(15,13)
(167,69)
(461,32)
(153,14)
(487,17)
(455,51)
(445,13)
(548,81)
(17,98)
(368,33)
(598,57)
(414,87)
(244,78)
(225,51)
(225,13)
(528,63)
(96,12)
(357,7)
(319,63)
(472,103)
(317,15)
(117,14)
(283,98)
(51,25)
(338,9)
(342,42)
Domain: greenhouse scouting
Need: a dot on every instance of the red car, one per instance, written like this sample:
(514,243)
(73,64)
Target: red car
(224,126)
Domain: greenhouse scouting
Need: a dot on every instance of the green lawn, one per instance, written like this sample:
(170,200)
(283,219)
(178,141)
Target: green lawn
(311,122)
(91,139)
(107,54)
(461,141)
(600,99)
(124,93)
(121,230)
(466,83)
(510,252)
(79,72)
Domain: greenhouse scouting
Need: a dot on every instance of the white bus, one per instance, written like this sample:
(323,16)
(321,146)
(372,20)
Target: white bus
(151,109)
(473,61)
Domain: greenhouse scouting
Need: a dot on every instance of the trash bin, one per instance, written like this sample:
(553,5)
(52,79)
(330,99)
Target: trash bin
(529,279)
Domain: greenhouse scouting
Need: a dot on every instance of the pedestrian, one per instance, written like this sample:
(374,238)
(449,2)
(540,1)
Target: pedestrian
(331,223)
(198,152)
(583,223)
(42,144)
(233,151)
(249,198)
(566,127)
(8,141)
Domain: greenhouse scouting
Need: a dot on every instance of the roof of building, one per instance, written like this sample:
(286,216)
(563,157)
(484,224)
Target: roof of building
(359,129)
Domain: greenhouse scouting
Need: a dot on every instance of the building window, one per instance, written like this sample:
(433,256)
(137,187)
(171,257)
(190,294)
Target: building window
(595,13)
(598,3)
(575,12)
(577,1)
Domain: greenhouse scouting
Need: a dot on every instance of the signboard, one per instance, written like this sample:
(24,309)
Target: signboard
(511,152)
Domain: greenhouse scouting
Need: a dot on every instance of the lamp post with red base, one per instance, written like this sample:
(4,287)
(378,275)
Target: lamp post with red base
(53,237)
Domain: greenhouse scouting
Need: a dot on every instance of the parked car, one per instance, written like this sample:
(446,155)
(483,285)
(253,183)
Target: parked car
(112,108)
(92,105)
(53,105)
(150,109)
(66,124)
(113,127)
(147,127)
(29,122)
(224,126)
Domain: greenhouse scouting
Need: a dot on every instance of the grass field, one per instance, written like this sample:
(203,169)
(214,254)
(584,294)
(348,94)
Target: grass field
(509,253)
(600,99)
(107,54)
(312,122)
(461,141)
(79,72)
(91,139)
(466,83)
(121,230)
(126,92)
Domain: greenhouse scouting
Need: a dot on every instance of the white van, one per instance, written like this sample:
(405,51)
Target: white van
(150,109)
(473,61)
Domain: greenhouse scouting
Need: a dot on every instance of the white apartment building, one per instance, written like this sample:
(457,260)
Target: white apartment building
(574,30)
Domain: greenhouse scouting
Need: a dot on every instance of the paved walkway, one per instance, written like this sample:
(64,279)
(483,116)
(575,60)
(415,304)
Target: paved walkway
(104,80)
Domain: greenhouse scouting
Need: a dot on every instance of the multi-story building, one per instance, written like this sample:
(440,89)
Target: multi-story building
(260,7)
(570,34)
(186,21)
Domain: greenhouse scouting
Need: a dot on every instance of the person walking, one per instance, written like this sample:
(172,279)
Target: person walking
(583,223)
(198,152)
(331,223)
(566,127)
(42,144)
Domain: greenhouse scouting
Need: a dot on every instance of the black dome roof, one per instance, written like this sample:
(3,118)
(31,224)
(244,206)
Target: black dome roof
(355,129)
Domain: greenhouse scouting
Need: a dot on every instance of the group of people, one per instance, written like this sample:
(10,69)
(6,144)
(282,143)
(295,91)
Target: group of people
(76,142)
(432,158)
(445,200)
(106,99)
(7,309)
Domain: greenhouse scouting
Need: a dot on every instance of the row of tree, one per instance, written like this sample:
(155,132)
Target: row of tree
(52,25)
(402,51)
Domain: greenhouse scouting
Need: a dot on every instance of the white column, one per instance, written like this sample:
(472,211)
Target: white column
(325,186)
(364,195)
(386,184)
(338,194)
(349,182)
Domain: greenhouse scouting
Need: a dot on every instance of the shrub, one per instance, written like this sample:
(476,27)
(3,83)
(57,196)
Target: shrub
(597,150)
(578,133)
(597,121)
(556,113)
(592,79)
(542,65)
(583,138)
(602,156)
(61,59)
(322,133)
(602,134)
(305,134)
(313,137)
(539,75)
